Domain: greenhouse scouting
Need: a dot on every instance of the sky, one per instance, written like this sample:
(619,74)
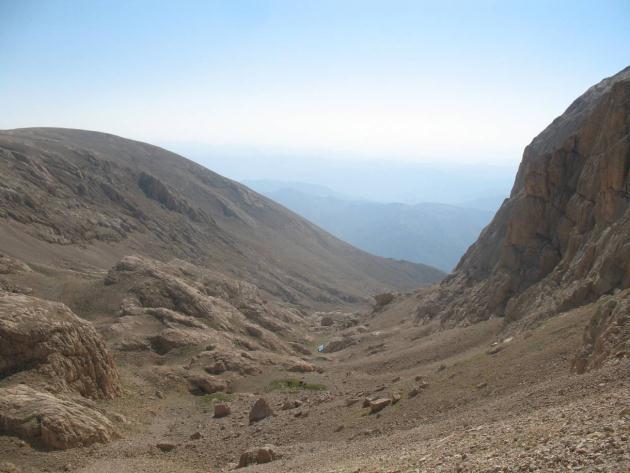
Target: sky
(441,81)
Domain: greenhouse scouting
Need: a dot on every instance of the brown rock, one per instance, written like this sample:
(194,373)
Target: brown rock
(495,349)
(206,384)
(266,454)
(222,410)
(260,410)
(379,404)
(293,404)
(59,346)
(216,368)
(47,421)
(166,446)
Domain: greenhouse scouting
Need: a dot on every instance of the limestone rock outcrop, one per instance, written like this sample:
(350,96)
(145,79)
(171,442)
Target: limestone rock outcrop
(561,240)
(50,422)
(47,342)
(168,308)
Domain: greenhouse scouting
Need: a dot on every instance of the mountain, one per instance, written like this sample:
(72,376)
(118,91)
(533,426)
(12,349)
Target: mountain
(376,180)
(82,200)
(433,234)
(146,316)
(562,239)
(270,186)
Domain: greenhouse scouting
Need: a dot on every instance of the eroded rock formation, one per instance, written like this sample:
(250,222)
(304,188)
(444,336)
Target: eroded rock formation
(51,422)
(48,344)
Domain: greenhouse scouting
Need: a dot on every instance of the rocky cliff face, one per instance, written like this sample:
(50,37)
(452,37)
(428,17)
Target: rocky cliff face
(562,239)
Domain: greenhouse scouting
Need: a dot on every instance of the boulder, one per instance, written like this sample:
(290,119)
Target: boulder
(47,339)
(266,454)
(260,410)
(166,446)
(379,404)
(51,422)
(206,384)
(222,410)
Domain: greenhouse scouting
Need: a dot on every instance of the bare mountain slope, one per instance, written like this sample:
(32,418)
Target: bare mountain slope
(82,200)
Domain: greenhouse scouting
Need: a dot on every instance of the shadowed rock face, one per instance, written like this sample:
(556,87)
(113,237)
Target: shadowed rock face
(561,239)
(45,341)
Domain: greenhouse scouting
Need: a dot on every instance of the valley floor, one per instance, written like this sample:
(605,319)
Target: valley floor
(517,409)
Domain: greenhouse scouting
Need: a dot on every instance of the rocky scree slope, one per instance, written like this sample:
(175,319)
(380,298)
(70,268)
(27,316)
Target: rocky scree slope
(93,198)
(562,239)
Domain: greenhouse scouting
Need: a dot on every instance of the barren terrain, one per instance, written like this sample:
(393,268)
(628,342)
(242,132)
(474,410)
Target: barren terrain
(156,317)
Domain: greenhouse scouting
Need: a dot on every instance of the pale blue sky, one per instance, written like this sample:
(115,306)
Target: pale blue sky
(456,81)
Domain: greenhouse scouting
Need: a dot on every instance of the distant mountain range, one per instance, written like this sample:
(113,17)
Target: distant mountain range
(431,233)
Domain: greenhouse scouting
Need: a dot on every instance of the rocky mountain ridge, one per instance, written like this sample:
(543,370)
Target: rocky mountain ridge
(561,240)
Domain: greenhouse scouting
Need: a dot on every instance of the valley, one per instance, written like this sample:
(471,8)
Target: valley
(157,317)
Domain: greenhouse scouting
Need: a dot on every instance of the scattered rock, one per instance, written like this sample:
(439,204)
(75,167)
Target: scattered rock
(206,384)
(47,421)
(379,404)
(222,410)
(266,454)
(166,446)
(395,398)
(287,405)
(260,410)
(195,436)
(495,349)
(216,368)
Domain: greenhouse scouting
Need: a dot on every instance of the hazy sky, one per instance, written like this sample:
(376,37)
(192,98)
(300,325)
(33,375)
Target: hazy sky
(462,81)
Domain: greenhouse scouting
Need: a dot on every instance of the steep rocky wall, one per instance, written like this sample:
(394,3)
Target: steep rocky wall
(562,238)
